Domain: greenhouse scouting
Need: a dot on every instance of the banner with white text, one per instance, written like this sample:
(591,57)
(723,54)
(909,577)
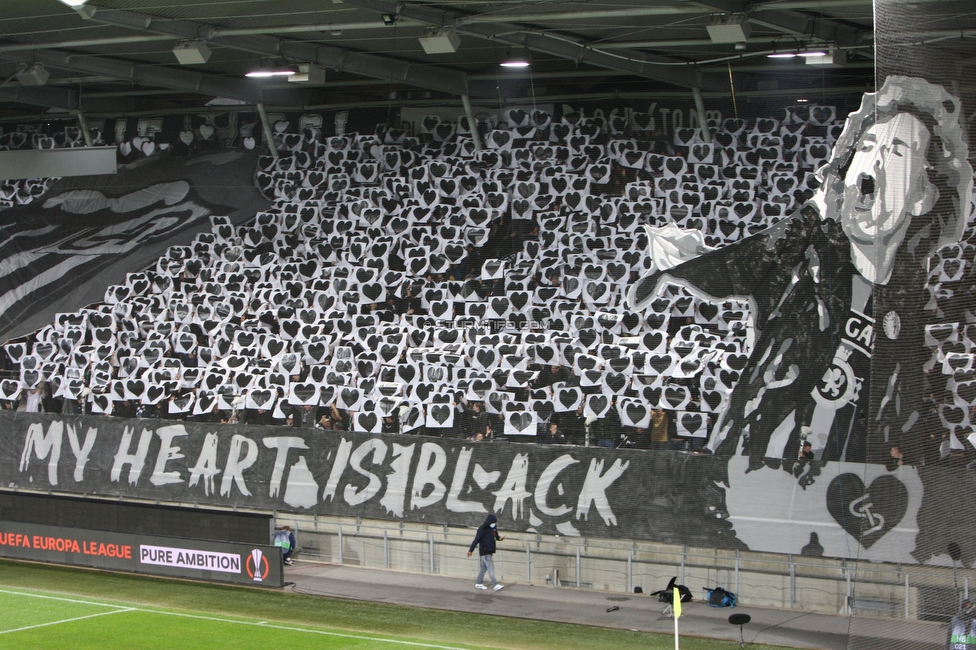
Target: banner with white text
(163,556)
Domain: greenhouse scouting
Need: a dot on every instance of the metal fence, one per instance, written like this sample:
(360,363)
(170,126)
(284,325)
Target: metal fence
(760,579)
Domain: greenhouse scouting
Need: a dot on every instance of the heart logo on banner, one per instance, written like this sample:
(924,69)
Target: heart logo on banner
(867,514)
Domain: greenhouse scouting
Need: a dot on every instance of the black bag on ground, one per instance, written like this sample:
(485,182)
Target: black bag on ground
(666,595)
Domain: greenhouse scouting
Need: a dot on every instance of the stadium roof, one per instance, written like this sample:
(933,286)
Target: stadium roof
(116,56)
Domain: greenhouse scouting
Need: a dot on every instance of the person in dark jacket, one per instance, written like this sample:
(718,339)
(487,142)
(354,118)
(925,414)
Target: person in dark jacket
(485,541)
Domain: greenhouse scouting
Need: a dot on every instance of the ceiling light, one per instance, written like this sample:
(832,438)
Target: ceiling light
(440,41)
(260,74)
(812,53)
(389,19)
(781,55)
(74,3)
(517,58)
(192,52)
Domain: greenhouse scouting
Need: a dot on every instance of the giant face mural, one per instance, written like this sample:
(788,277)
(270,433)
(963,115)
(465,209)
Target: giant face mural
(885,186)
(837,293)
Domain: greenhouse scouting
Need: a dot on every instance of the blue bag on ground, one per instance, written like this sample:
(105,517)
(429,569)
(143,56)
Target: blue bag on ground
(719,597)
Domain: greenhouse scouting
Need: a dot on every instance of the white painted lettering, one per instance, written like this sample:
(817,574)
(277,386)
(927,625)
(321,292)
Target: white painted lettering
(206,466)
(454,502)
(396,483)
(595,490)
(43,446)
(514,487)
(373,446)
(237,463)
(430,466)
(135,461)
(282,444)
(544,483)
(167,452)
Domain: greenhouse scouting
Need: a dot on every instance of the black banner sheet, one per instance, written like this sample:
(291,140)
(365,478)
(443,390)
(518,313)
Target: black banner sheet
(830,508)
(162,556)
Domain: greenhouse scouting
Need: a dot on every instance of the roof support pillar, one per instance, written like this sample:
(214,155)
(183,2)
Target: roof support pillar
(471,122)
(266,127)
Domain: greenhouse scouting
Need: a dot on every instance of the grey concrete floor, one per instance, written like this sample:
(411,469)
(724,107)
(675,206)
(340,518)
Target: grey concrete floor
(792,628)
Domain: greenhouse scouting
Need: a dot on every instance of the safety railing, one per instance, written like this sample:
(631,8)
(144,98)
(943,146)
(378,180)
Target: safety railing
(759,579)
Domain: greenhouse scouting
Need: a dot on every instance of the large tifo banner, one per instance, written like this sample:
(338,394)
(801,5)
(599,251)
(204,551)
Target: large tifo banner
(162,556)
(829,508)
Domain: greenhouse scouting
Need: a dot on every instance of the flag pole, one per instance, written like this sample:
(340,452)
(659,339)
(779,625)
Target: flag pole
(676,612)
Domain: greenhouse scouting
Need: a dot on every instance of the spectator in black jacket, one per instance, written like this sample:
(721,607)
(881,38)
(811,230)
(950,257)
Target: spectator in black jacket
(485,541)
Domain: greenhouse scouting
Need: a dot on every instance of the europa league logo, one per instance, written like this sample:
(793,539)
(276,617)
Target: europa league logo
(257,565)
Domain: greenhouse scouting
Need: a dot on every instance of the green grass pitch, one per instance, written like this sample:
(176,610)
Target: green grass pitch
(45,606)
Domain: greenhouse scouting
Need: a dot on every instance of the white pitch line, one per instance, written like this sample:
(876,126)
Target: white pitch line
(66,620)
(301,629)
(67,600)
(211,618)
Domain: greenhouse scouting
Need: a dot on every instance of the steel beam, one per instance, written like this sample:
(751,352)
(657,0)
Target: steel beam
(40,96)
(153,75)
(60,98)
(368,65)
(671,71)
(790,22)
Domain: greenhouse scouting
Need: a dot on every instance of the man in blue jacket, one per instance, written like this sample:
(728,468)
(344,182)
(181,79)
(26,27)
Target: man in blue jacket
(485,541)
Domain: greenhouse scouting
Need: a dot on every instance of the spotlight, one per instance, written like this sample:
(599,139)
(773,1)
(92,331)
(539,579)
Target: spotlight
(33,75)
(79,5)
(440,41)
(192,52)
(833,58)
(735,29)
(308,73)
